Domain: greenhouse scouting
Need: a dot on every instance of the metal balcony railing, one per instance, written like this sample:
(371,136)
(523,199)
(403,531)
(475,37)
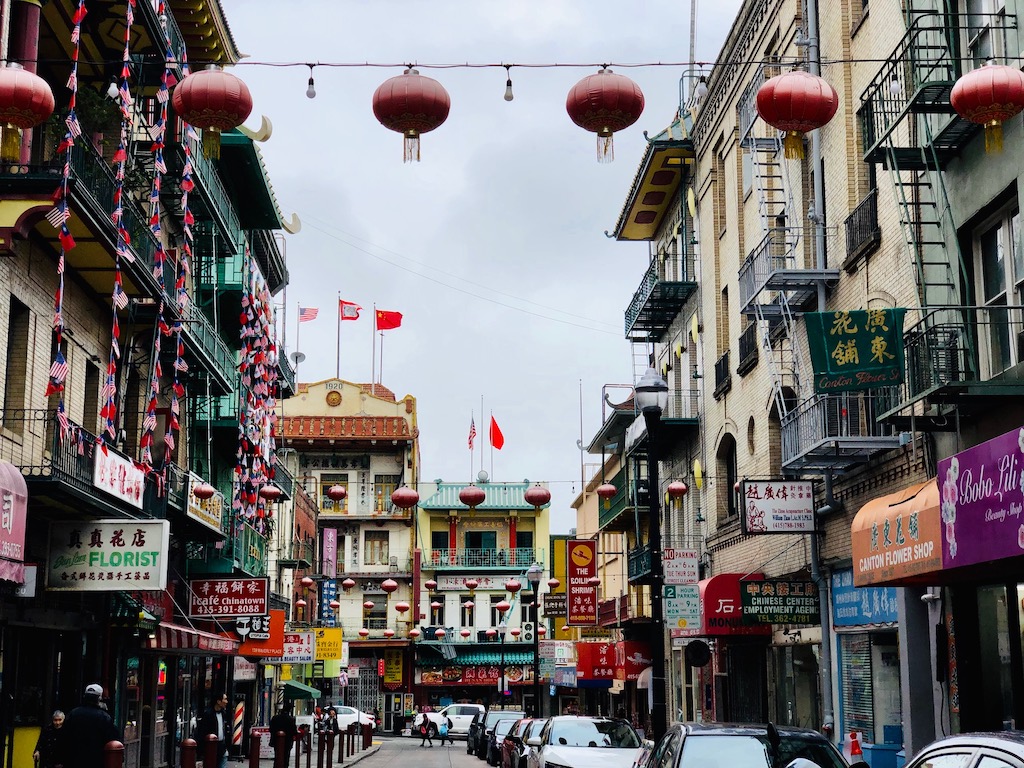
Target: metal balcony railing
(639,564)
(283,479)
(216,196)
(209,347)
(265,249)
(666,285)
(836,430)
(863,235)
(723,376)
(747,104)
(628,495)
(749,348)
(297,554)
(484,558)
(773,254)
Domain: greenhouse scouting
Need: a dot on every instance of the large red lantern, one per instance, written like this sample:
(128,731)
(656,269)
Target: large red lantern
(513,586)
(25,101)
(405,497)
(677,489)
(389,633)
(411,104)
(389,585)
(401,607)
(606,491)
(347,584)
(796,102)
(440,633)
(604,103)
(203,491)
(472,584)
(472,496)
(503,606)
(537,496)
(213,100)
(271,492)
(430,584)
(414,633)
(337,492)
(990,96)
(364,632)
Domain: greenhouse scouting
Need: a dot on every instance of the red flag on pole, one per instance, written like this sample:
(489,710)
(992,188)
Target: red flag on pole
(388,320)
(497,439)
(348,310)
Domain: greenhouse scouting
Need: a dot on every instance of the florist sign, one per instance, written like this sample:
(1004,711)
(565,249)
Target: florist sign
(856,349)
(108,555)
(982,500)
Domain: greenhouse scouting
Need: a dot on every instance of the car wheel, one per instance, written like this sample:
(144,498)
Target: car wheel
(432,730)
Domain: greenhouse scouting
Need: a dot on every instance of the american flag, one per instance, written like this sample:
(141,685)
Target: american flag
(472,432)
(308,313)
(59,369)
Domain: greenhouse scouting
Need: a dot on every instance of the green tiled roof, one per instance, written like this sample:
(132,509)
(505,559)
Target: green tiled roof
(477,658)
(497,496)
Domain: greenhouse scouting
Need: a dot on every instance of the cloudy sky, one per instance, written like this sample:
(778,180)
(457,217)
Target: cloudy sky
(493,246)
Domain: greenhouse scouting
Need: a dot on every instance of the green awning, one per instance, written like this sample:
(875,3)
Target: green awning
(293,689)
(477,658)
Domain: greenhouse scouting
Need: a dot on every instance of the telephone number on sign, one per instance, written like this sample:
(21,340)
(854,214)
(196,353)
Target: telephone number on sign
(10,549)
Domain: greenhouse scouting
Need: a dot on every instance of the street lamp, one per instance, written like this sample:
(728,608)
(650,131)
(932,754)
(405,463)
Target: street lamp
(533,575)
(502,629)
(652,399)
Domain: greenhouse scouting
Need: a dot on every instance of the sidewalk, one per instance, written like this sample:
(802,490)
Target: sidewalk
(360,754)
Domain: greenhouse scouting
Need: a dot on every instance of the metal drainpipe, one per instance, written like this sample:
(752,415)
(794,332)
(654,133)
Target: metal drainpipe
(825,668)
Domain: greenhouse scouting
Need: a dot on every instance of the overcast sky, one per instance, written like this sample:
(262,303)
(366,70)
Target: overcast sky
(493,246)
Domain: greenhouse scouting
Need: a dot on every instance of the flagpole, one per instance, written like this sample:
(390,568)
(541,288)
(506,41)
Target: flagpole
(380,362)
(481,436)
(337,347)
(298,328)
(373,343)
(472,424)
(490,439)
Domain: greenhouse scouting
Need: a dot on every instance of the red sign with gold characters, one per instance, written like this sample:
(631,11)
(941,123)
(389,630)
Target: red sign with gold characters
(581,595)
(596,661)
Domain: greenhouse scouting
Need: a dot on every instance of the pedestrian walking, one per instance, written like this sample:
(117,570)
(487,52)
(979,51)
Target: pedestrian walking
(86,731)
(283,722)
(47,751)
(424,727)
(214,722)
(445,729)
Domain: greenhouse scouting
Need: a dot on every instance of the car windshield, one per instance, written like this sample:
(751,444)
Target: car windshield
(753,752)
(593,733)
(503,727)
(493,717)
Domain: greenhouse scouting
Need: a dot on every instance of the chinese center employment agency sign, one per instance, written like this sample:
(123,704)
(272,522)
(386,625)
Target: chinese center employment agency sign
(108,555)
(856,349)
(772,601)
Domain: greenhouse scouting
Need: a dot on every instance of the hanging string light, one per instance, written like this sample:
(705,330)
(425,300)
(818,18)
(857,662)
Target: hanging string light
(310,87)
(508,83)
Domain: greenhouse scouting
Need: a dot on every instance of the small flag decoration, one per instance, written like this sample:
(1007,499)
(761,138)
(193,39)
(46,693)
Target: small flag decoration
(348,310)
(497,439)
(472,432)
(388,320)
(307,314)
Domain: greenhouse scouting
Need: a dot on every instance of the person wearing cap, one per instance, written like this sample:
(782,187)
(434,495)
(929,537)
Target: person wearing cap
(86,731)
(214,722)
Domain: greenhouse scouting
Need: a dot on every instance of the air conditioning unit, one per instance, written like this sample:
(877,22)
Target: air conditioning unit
(529,628)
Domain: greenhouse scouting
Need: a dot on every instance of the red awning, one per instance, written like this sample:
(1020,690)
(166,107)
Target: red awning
(174,637)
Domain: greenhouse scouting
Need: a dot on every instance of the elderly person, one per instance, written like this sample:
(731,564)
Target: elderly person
(46,754)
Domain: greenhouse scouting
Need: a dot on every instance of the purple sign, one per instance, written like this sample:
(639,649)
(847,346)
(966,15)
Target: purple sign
(13,512)
(330,551)
(982,502)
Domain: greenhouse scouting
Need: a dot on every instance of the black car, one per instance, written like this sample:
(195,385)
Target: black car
(479,730)
(722,745)
(495,736)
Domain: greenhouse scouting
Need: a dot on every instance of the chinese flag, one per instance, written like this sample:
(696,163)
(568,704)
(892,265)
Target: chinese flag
(388,320)
(497,439)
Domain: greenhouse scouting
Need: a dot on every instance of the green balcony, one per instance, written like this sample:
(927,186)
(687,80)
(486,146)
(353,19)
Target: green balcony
(209,349)
(663,291)
(516,559)
(619,512)
(639,565)
(244,553)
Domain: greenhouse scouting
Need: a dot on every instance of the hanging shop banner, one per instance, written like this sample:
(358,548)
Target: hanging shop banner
(681,566)
(682,608)
(858,606)
(856,349)
(631,658)
(595,663)
(554,605)
(328,594)
(299,648)
(209,512)
(515,674)
(119,476)
(778,506)
(982,502)
(392,666)
(581,595)
(273,646)
(330,552)
(13,514)
(897,539)
(328,643)
(108,555)
(227,598)
(774,601)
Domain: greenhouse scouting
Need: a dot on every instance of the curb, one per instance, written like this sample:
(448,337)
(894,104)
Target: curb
(351,760)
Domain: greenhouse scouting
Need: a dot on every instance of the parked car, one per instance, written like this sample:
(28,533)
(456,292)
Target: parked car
(999,749)
(723,745)
(571,741)
(514,748)
(494,739)
(349,715)
(476,743)
(461,716)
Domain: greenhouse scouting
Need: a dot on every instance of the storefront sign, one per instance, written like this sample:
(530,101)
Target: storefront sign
(581,595)
(245,670)
(982,502)
(856,606)
(227,598)
(328,643)
(595,662)
(682,566)
(565,676)
(119,476)
(898,538)
(631,658)
(775,601)
(13,513)
(515,674)
(253,627)
(778,506)
(553,653)
(721,610)
(299,648)
(330,552)
(554,605)
(682,608)
(108,555)
(458,583)
(272,647)
(209,511)
(328,593)
(392,666)
(856,349)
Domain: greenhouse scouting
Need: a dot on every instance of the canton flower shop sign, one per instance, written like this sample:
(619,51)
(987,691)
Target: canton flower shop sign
(227,598)
(772,601)
(778,506)
(856,349)
(108,555)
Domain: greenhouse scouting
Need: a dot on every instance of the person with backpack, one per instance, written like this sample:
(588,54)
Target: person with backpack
(445,729)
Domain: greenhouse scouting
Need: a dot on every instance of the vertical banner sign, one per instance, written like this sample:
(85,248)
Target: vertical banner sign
(328,592)
(581,562)
(392,667)
(330,552)
(856,349)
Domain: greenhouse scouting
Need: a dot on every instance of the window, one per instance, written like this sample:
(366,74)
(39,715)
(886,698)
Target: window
(16,370)
(999,267)
(375,548)
(468,614)
(383,487)
(727,469)
(495,614)
(524,548)
(327,504)
(91,409)
(748,171)
(985,29)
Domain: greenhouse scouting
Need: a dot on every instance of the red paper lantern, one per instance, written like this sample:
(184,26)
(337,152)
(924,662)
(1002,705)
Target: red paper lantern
(465,632)
(307,582)
(796,102)
(348,584)
(364,632)
(401,607)
(604,103)
(472,496)
(605,491)
(677,489)
(513,586)
(203,491)
(414,633)
(300,603)
(25,101)
(389,633)
(389,585)
(440,633)
(554,584)
(430,584)
(270,492)
(469,604)
(594,581)
(472,584)
(491,632)
(435,605)
(337,492)
(566,628)
(335,605)
(515,631)
(503,606)
(368,605)
(990,96)
(537,496)
(542,630)
(405,497)
(213,100)
(411,104)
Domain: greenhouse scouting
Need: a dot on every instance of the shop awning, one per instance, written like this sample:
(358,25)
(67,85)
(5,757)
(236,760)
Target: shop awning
(644,680)
(293,689)
(897,539)
(720,608)
(478,658)
(186,640)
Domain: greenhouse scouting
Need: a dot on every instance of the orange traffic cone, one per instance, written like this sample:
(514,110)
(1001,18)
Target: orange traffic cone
(856,753)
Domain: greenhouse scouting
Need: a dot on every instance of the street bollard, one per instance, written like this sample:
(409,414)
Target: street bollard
(307,740)
(113,754)
(320,750)
(367,735)
(254,752)
(341,746)
(351,739)
(210,751)
(329,752)
(277,739)
(188,753)
(298,743)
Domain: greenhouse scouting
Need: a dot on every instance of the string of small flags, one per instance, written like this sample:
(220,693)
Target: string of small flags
(58,218)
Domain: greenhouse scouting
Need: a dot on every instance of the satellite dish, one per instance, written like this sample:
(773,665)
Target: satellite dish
(482,476)
(297,357)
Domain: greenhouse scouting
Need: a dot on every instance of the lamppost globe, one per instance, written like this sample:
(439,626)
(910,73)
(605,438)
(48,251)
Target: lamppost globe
(652,392)
(533,574)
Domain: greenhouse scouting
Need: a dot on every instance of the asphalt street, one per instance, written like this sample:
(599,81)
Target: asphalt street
(400,752)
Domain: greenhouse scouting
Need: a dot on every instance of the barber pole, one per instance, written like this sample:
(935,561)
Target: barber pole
(236,724)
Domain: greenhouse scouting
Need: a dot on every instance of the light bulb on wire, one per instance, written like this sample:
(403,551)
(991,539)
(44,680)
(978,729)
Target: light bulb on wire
(310,87)
(508,83)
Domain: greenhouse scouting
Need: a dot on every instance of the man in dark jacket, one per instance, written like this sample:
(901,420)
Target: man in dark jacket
(215,722)
(282,722)
(86,732)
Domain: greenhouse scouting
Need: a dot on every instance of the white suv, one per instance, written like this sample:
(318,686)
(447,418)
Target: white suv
(461,716)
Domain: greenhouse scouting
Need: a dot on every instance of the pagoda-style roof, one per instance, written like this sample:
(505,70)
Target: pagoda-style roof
(497,496)
(340,428)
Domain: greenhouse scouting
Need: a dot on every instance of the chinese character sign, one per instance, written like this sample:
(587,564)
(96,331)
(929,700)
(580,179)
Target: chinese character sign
(209,511)
(778,506)
(299,648)
(328,644)
(392,667)
(225,598)
(108,555)
(118,476)
(581,595)
(856,349)
(330,552)
(780,602)
(328,594)
(857,606)
(596,661)
(13,513)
